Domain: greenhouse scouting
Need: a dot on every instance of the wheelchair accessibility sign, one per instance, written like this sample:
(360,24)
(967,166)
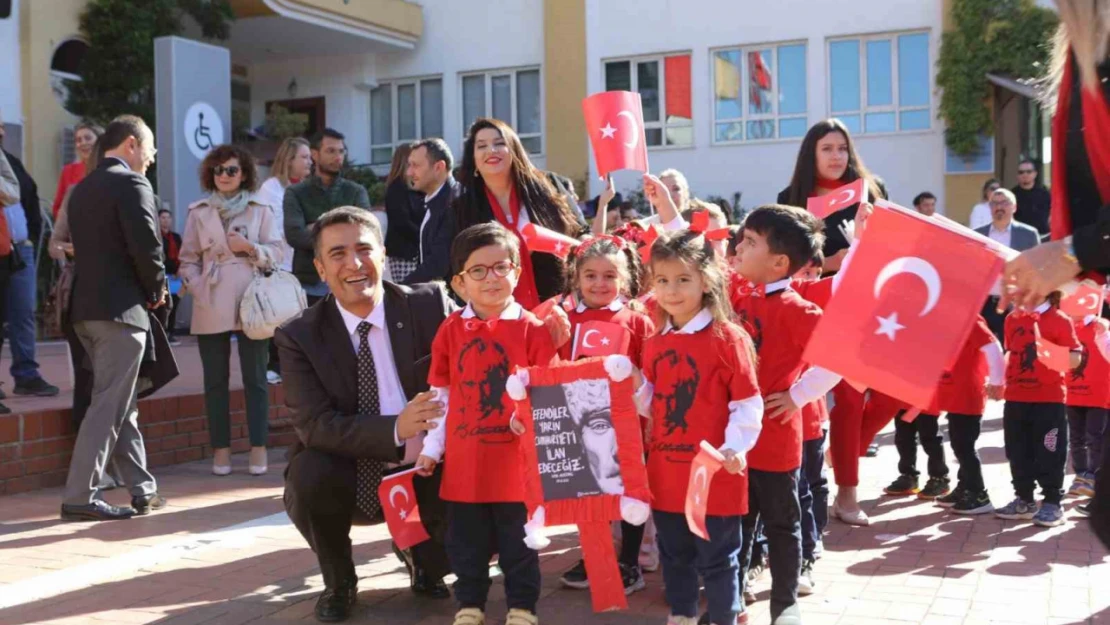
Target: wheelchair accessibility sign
(204,129)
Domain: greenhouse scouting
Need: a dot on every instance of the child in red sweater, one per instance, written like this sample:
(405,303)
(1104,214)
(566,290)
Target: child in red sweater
(779,241)
(1034,420)
(473,354)
(1088,399)
(604,282)
(699,384)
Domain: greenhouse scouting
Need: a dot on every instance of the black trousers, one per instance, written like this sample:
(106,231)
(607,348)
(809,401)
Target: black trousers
(320,499)
(963,433)
(1100,504)
(773,499)
(475,531)
(926,428)
(1036,438)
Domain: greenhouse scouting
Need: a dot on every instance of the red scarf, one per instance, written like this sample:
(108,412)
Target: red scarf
(1096,137)
(525,293)
(825,183)
(171,246)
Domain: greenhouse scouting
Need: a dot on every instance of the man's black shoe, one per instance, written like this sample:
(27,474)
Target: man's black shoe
(145,503)
(37,387)
(423,584)
(95,511)
(336,603)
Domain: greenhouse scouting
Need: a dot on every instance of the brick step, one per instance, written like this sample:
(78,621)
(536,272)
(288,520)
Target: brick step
(35,446)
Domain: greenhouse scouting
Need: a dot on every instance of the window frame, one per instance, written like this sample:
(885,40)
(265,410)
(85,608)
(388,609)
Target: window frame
(775,116)
(487,81)
(394,125)
(634,77)
(896,108)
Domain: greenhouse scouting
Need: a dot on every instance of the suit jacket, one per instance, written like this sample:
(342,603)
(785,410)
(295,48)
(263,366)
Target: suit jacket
(1022,236)
(436,236)
(117,246)
(405,210)
(319,371)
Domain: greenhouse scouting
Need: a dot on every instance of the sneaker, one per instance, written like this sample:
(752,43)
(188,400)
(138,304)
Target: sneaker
(872,450)
(37,387)
(757,570)
(649,559)
(273,377)
(973,503)
(1017,510)
(576,577)
(805,580)
(173,340)
(741,619)
(1050,515)
(682,620)
(818,549)
(1084,509)
(1075,485)
(935,487)
(1084,486)
(904,485)
(952,498)
(632,579)
(470,616)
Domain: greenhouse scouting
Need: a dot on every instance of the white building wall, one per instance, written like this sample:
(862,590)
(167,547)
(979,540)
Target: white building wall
(907,162)
(11,105)
(465,36)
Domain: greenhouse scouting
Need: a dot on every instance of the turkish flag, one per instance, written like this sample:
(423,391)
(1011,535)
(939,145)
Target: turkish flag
(1055,357)
(904,306)
(599,338)
(540,239)
(824,205)
(615,123)
(702,469)
(1086,300)
(402,513)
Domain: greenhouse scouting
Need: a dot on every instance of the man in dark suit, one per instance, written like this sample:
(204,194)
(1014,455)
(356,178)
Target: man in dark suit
(429,173)
(1011,233)
(349,364)
(118,277)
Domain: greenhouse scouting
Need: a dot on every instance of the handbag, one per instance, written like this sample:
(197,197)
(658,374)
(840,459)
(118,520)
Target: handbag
(63,291)
(271,299)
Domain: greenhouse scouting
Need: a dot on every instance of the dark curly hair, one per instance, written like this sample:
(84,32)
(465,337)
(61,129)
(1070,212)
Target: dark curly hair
(222,154)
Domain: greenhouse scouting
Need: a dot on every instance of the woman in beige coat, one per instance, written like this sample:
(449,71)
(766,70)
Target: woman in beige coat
(228,238)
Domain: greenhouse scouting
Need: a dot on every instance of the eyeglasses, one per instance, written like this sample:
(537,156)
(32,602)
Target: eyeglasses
(1000,202)
(230,172)
(479,272)
(1027,171)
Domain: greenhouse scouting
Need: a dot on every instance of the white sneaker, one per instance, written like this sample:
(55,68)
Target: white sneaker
(272,377)
(805,580)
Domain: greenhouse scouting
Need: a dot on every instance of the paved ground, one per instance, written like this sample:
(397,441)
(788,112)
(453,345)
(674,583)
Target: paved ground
(225,553)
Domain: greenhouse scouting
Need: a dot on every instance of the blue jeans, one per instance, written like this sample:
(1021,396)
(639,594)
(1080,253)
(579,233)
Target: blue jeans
(22,292)
(813,494)
(685,557)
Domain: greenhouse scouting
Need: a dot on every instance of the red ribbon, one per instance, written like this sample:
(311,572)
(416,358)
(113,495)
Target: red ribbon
(526,292)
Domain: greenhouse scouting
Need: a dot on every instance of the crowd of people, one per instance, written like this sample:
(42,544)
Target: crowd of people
(419,313)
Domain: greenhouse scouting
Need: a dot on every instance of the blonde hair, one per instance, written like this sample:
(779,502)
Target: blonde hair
(283,160)
(1085,31)
(714,210)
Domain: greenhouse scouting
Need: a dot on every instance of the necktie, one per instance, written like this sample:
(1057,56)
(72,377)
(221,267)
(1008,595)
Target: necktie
(369,471)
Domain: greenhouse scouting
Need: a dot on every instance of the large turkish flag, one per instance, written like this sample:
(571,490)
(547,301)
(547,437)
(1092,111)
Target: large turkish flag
(615,123)
(905,304)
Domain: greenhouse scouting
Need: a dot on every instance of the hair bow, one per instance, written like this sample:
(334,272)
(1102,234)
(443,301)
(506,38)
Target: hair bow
(699,223)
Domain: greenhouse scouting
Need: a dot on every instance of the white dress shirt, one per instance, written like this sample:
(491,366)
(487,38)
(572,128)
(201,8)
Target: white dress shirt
(427,216)
(391,395)
(1005,237)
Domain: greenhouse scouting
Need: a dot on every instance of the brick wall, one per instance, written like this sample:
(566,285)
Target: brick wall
(35,447)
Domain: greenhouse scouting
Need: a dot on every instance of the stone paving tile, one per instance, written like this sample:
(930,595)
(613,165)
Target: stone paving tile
(915,564)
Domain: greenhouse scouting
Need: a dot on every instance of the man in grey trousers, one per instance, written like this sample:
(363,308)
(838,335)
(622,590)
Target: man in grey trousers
(119,276)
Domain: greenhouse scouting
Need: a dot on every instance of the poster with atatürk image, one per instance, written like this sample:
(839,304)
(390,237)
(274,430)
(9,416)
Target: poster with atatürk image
(576,443)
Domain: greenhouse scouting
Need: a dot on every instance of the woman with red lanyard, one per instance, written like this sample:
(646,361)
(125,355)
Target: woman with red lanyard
(1080,216)
(500,183)
(827,160)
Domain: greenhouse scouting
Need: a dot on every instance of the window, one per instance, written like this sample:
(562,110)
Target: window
(65,65)
(881,83)
(513,96)
(759,93)
(402,111)
(663,83)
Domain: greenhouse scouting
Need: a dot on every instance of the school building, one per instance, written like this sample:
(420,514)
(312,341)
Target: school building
(728,88)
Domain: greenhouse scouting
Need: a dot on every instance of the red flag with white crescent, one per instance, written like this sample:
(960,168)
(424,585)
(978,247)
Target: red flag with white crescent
(402,513)
(600,338)
(702,469)
(615,123)
(540,239)
(824,205)
(1086,300)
